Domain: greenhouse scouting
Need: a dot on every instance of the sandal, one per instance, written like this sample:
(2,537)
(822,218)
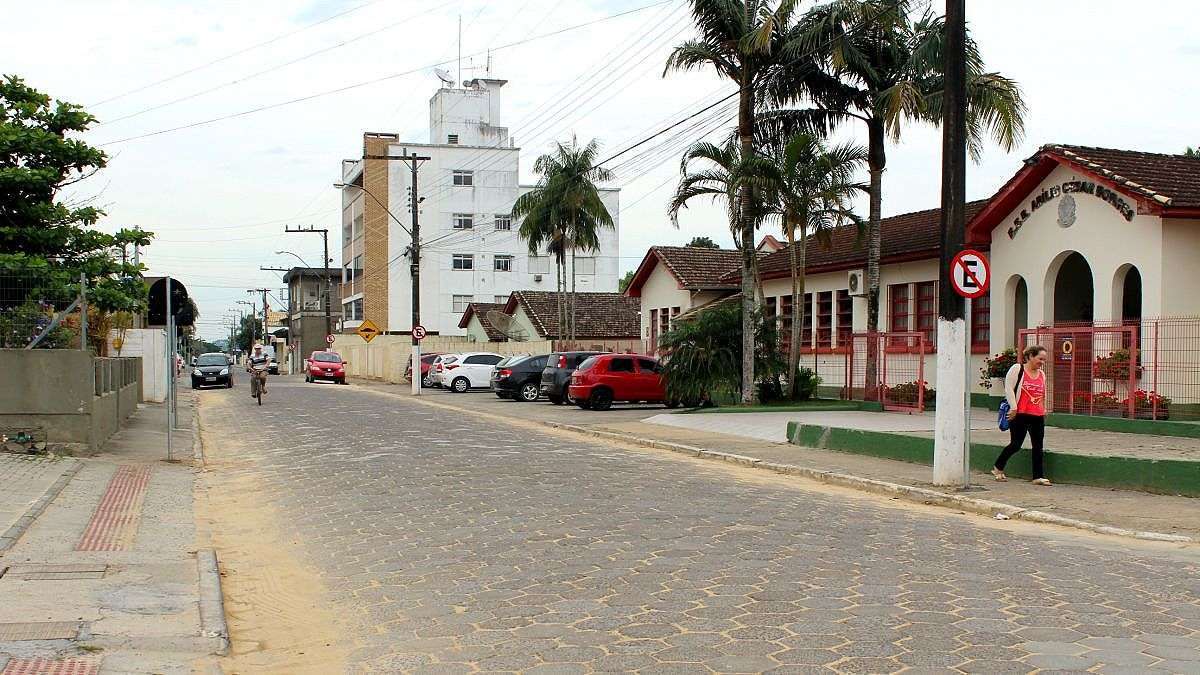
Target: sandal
(1041,481)
(998,475)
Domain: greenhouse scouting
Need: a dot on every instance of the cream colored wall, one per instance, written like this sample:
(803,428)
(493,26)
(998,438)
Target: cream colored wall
(524,324)
(475,331)
(386,357)
(662,290)
(1100,234)
(1180,256)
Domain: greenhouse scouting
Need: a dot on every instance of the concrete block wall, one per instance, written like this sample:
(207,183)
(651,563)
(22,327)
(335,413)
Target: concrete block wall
(386,358)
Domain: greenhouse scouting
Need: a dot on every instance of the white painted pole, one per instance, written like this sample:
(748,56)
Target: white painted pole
(170,350)
(416,368)
(948,440)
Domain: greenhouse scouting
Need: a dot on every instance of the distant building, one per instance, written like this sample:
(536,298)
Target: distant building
(471,250)
(673,279)
(307,295)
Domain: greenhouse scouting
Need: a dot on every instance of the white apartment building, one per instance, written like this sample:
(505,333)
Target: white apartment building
(471,250)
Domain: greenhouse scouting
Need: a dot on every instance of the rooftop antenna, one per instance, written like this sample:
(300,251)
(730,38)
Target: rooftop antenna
(460,47)
(488,70)
(444,76)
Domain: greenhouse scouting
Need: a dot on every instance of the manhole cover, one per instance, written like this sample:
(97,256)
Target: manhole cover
(39,630)
(49,572)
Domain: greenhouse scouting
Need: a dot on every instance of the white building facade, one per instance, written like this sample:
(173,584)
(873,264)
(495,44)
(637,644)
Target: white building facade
(471,250)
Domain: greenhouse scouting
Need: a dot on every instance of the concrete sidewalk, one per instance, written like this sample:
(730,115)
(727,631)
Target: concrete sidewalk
(107,578)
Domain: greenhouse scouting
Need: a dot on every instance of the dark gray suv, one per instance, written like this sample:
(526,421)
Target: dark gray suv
(557,374)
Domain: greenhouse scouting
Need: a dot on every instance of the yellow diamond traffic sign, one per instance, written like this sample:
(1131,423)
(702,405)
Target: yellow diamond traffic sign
(367,330)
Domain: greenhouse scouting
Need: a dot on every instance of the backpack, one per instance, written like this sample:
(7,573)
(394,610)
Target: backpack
(1002,418)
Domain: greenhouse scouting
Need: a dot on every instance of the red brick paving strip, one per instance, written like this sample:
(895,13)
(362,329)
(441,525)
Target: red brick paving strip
(52,667)
(115,521)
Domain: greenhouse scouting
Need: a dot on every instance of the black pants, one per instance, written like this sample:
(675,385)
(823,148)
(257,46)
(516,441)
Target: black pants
(1035,426)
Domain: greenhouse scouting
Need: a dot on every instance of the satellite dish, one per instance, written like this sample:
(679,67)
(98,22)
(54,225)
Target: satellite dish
(505,324)
(445,76)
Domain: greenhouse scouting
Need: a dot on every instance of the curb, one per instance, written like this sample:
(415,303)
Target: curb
(212,603)
(914,494)
(10,537)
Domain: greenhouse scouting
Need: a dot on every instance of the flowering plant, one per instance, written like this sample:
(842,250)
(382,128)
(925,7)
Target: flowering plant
(1148,400)
(1115,366)
(997,366)
(1104,400)
(907,392)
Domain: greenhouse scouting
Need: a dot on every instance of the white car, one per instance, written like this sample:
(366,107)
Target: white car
(438,368)
(472,370)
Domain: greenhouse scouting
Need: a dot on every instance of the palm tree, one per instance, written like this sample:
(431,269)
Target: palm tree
(883,67)
(811,189)
(567,212)
(742,40)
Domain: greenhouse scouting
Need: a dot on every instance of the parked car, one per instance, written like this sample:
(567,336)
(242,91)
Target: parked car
(212,370)
(324,365)
(471,370)
(600,380)
(273,366)
(519,378)
(426,364)
(556,377)
(437,369)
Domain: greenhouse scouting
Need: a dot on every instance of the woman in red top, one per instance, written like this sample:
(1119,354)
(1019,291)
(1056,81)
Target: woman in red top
(1025,388)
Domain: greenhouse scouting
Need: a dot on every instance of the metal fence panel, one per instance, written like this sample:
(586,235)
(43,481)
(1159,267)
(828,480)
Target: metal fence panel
(33,305)
(890,368)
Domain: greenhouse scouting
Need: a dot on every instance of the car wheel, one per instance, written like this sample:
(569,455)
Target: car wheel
(342,381)
(584,404)
(556,400)
(601,399)
(529,392)
(426,382)
(460,385)
(229,384)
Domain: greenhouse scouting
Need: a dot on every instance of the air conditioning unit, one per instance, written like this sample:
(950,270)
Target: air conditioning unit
(856,281)
(537,278)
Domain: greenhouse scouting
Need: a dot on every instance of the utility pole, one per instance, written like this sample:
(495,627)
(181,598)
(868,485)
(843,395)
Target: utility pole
(264,292)
(414,204)
(951,454)
(325,272)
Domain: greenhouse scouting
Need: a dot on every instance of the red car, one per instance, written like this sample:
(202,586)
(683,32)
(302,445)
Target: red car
(600,380)
(426,363)
(325,366)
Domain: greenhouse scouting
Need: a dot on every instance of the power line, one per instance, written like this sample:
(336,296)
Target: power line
(232,54)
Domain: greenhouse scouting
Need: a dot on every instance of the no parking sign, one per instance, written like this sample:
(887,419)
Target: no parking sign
(970,273)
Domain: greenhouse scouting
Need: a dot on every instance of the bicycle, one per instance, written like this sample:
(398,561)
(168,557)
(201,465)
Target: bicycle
(257,380)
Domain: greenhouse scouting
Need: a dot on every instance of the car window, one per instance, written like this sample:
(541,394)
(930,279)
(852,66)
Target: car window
(212,360)
(428,359)
(587,364)
(538,362)
(491,359)
(577,359)
(620,365)
(649,365)
(449,358)
(327,357)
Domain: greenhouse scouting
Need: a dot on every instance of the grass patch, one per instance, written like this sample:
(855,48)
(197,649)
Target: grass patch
(781,406)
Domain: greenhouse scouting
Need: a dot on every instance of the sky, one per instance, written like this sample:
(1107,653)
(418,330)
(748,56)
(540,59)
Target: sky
(292,85)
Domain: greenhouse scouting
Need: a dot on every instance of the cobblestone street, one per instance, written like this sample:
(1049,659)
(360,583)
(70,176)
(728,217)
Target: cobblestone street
(446,542)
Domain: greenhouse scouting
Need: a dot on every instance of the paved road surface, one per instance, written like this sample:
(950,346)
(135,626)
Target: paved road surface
(449,543)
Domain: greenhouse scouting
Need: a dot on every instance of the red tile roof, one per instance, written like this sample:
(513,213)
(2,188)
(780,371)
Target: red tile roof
(598,315)
(695,268)
(480,310)
(1170,180)
(908,236)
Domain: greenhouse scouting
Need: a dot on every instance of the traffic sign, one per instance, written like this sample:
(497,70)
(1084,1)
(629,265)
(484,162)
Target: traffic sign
(418,332)
(367,330)
(970,273)
(329,339)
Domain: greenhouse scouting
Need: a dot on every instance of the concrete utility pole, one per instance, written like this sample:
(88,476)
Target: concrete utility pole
(951,463)
(328,290)
(264,292)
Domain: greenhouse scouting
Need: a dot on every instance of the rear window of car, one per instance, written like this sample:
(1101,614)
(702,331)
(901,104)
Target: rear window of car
(588,364)
(576,359)
(620,364)
(649,365)
(537,362)
(429,359)
(327,357)
(483,359)
(212,360)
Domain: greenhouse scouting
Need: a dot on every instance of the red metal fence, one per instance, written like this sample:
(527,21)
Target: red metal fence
(890,368)
(1148,369)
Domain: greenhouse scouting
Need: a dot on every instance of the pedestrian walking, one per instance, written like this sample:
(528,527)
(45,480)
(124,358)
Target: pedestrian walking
(1025,391)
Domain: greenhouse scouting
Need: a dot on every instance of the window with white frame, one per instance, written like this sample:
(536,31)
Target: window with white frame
(585,267)
(464,177)
(352,310)
(463,261)
(463,221)
(461,302)
(539,264)
(503,263)
(503,221)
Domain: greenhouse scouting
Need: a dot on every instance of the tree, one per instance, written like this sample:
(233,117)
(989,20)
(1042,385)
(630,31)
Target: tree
(1191,152)
(566,210)
(812,189)
(249,332)
(624,281)
(704,354)
(881,66)
(41,235)
(702,242)
(742,40)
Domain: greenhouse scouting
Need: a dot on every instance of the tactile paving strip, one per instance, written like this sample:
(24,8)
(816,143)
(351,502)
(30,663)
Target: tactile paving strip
(115,521)
(41,666)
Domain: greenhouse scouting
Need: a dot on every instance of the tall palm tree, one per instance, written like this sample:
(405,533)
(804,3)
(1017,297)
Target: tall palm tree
(742,40)
(811,188)
(881,65)
(567,212)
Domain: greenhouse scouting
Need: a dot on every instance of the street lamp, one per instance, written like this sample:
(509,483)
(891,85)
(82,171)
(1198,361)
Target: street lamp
(294,256)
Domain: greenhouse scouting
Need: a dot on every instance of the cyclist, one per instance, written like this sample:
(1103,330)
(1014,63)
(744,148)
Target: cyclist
(257,364)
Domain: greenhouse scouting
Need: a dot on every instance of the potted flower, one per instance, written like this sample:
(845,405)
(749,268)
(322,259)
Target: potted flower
(1115,366)
(1149,405)
(995,369)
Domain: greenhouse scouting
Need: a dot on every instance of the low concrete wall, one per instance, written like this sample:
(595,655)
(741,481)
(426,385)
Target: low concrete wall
(387,356)
(65,396)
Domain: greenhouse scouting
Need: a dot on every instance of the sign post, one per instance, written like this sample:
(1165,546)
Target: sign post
(418,334)
(970,274)
(329,340)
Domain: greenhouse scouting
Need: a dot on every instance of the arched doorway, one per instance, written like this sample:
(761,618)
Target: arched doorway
(1074,292)
(1017,296)
(1127,295)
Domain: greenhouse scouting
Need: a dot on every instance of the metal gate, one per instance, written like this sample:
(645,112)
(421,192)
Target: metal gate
(1091,370)
(889,368)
